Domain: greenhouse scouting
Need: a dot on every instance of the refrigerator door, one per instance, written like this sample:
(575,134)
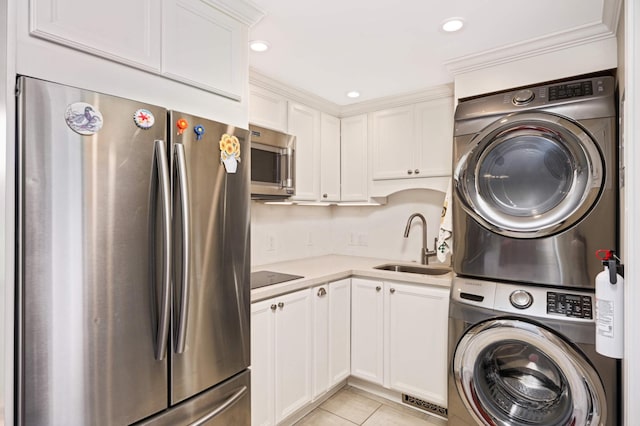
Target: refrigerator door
(228,404)
(90,296)
(210,332)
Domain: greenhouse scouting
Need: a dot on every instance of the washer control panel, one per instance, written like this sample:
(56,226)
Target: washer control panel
(521,299)
(571,90)
(570,305)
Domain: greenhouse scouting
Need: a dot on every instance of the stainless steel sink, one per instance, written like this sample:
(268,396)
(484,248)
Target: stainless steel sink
(413,269)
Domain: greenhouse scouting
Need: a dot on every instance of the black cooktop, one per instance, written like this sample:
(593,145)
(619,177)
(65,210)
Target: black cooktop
(265,278)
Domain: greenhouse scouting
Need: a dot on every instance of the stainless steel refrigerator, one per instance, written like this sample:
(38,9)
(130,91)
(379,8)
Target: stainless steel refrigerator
(133,263)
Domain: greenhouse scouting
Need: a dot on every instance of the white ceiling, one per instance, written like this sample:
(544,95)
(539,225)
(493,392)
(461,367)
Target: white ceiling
(389,47)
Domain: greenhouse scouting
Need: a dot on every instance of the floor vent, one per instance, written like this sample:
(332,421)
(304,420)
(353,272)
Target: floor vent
(424,405)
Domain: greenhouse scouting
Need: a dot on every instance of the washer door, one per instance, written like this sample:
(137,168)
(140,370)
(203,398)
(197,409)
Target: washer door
(515,372)
(529,175)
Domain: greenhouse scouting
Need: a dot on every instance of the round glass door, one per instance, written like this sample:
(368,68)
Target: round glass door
(514,372)
(529,175)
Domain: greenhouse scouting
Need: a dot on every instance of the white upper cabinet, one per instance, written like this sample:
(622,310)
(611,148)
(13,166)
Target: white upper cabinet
(434,137)
(198,42)
(354,146)
(304,124)
(413,141)
(204,47)
(102,28)
(329,158)
(267,109)
(393,143)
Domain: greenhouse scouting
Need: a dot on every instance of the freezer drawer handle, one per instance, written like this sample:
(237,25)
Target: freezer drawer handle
(229,402)
(162,171)
(181,169)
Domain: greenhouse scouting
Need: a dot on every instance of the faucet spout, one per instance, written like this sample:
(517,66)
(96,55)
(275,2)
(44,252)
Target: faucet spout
(424,253)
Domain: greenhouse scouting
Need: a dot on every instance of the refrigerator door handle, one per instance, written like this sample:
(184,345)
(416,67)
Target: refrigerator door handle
(181,169)
(229,402)
(162,170)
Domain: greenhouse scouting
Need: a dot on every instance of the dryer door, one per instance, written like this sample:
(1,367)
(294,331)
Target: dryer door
(529,175)
(515,372)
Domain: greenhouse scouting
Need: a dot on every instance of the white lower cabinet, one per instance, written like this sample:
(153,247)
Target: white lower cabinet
(331,334)
(388,333)
(367,344)
(415,332)
(399,337)
(281,344)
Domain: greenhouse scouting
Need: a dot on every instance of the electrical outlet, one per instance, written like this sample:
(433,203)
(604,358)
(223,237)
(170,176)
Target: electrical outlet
(271,242)
(353,239)
(363,240)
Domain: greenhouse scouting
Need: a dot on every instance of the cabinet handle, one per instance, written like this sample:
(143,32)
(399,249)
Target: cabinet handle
(273,307)
(324,195)
(280,305)
(392,290)
(417,171)
(322,292)
(409,171)
(378,288)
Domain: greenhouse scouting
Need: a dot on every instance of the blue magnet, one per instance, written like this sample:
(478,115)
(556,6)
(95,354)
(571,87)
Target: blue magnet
(199,131)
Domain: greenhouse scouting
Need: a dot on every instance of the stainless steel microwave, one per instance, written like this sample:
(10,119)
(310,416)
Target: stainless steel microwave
(272,164)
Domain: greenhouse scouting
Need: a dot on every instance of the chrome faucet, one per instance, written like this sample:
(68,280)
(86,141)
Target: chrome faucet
(425,254)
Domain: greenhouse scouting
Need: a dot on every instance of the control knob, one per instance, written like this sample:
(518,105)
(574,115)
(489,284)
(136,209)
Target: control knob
(523,97)
(521,299)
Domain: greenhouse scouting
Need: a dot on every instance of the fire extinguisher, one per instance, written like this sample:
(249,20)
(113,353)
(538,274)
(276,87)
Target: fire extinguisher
(610,306)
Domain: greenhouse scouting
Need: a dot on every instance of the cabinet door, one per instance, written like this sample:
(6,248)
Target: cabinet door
(304,123)
(434,134)
(293,353)
(121,30)
(320,364)
(262,363)
(354,176)
(367,330)
(329,158)
(339,352)
(203,46)
(267,109)
(393,143)
(416,340)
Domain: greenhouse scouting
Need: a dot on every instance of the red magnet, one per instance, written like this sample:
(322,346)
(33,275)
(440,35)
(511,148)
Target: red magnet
(182,124)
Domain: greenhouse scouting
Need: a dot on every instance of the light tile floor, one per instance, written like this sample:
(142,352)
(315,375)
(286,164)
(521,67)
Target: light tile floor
(351,406)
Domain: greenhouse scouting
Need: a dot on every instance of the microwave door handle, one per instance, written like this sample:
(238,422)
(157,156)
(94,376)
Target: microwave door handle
(183,313)
(161,173)
(287,165)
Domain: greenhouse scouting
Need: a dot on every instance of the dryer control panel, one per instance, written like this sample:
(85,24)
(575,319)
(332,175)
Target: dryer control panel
(570,305)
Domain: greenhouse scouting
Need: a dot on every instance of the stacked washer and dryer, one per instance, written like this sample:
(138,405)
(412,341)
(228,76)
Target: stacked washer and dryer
(535,195)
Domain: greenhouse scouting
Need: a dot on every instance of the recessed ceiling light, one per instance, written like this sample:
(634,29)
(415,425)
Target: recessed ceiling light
(259,45)
(353,94)
(452,25)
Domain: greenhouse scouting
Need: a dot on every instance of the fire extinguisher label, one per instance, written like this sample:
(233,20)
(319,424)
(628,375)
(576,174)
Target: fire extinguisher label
(604,317)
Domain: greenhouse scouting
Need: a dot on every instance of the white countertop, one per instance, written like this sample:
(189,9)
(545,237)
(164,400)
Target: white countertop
(324,269)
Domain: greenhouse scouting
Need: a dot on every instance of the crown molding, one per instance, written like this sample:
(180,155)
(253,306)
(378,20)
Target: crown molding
(244,11)
(530,48)
(298,95)
(260,80)
(414,97)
